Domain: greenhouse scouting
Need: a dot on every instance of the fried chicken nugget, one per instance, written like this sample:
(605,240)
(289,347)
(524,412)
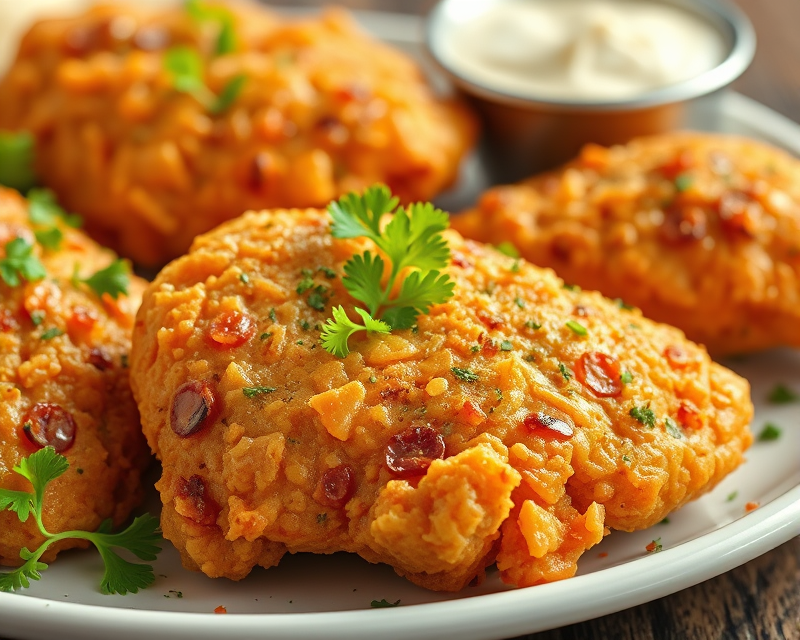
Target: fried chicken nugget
(64,383)
(515,423)
(699,231)
(323,109)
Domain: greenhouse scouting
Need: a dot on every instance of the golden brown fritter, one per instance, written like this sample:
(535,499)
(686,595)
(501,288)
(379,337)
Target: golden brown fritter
(492,431)
(699,231)
(324,110)
(64,383)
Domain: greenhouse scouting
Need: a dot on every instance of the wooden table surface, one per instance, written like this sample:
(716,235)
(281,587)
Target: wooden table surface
(761,599)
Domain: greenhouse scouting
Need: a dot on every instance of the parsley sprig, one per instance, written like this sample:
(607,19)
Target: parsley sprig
(412,239)
(141,538)
(20,262)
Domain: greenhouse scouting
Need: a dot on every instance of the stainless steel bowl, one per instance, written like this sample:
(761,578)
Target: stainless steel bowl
(524,136)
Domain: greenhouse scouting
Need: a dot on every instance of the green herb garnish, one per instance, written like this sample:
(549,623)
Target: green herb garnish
(506,345)
(52,333)
(644,415)
(43,209)
(244,278)
(565,372)
(732,496)
(50,238)
(202,12)
(382,604)
(683,182)
(252,392)
(769,433)
(113,280)
(519,302)
(20,263)
(781,394)
(465,375)
(532,324)
(577,328)
(185,67)
(16,160)
(412,239)
(141,538)
(508,249)
(626,377)
(672,428)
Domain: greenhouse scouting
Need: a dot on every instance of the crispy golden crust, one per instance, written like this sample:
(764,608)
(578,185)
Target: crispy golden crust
(82,372)
(324,110)
(246,485)
(699,231)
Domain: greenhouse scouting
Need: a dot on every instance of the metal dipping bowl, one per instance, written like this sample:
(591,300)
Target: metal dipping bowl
(523,135)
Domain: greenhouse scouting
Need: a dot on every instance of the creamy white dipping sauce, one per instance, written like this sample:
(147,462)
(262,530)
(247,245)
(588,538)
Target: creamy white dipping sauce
(578,49)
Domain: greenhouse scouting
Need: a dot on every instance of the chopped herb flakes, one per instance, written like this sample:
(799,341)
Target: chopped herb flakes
(571,287)
(506,345)
(655,546)
(475,348)
(318,298)
(373,379)
(672,428)
(49,238)
(781,394)
(52,333)
(732,496)
(252,392)
(464,375)
(508,249)
(564,371)
(266,335)
(327,272)
(769,433)
(20,263)
(272,315)
(644,415)
(498,394)
(383,604)
(519,302)
(683,182)
(664,521)
(321,518)
(626,377)
(245,279)
(532,324)
(623,305)
(37,317)
(577,328)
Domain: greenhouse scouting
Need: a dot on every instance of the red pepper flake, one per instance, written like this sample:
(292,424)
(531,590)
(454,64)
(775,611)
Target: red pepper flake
(602,555)
(492,321)
(471,413)
(82,320)
(689,415)
(599,372)
(220,609)
(677,356)
(231,329)
(751,506)
(548,426)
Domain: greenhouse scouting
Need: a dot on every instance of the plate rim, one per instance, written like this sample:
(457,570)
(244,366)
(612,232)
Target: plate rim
(674,569)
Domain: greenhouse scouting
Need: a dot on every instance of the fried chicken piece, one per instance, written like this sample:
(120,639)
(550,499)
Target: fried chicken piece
(700,231)
(498,429)
(64,383)
(323,110)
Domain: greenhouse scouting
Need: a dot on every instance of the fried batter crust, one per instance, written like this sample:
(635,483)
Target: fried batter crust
(699,231)
(504,489)
(324,110)
(83,371)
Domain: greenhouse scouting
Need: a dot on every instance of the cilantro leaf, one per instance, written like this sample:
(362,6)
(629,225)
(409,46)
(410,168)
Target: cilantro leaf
(362,279)
(18,501)
(141,538)
(202,12)
(186,68)
(644,415)
(781,394)
(411,240)
(49,238)
(113,280)
(43,209)
(355,216)
(509,249)
(20,263)
(16,160)
(229,94)
(337,330)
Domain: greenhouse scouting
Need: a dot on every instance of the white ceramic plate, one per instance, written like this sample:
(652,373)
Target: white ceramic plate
(329,596)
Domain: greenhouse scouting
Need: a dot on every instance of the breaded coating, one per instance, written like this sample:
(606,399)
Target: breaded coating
(494,430)
(64,383)
(699,231)
(323,110)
